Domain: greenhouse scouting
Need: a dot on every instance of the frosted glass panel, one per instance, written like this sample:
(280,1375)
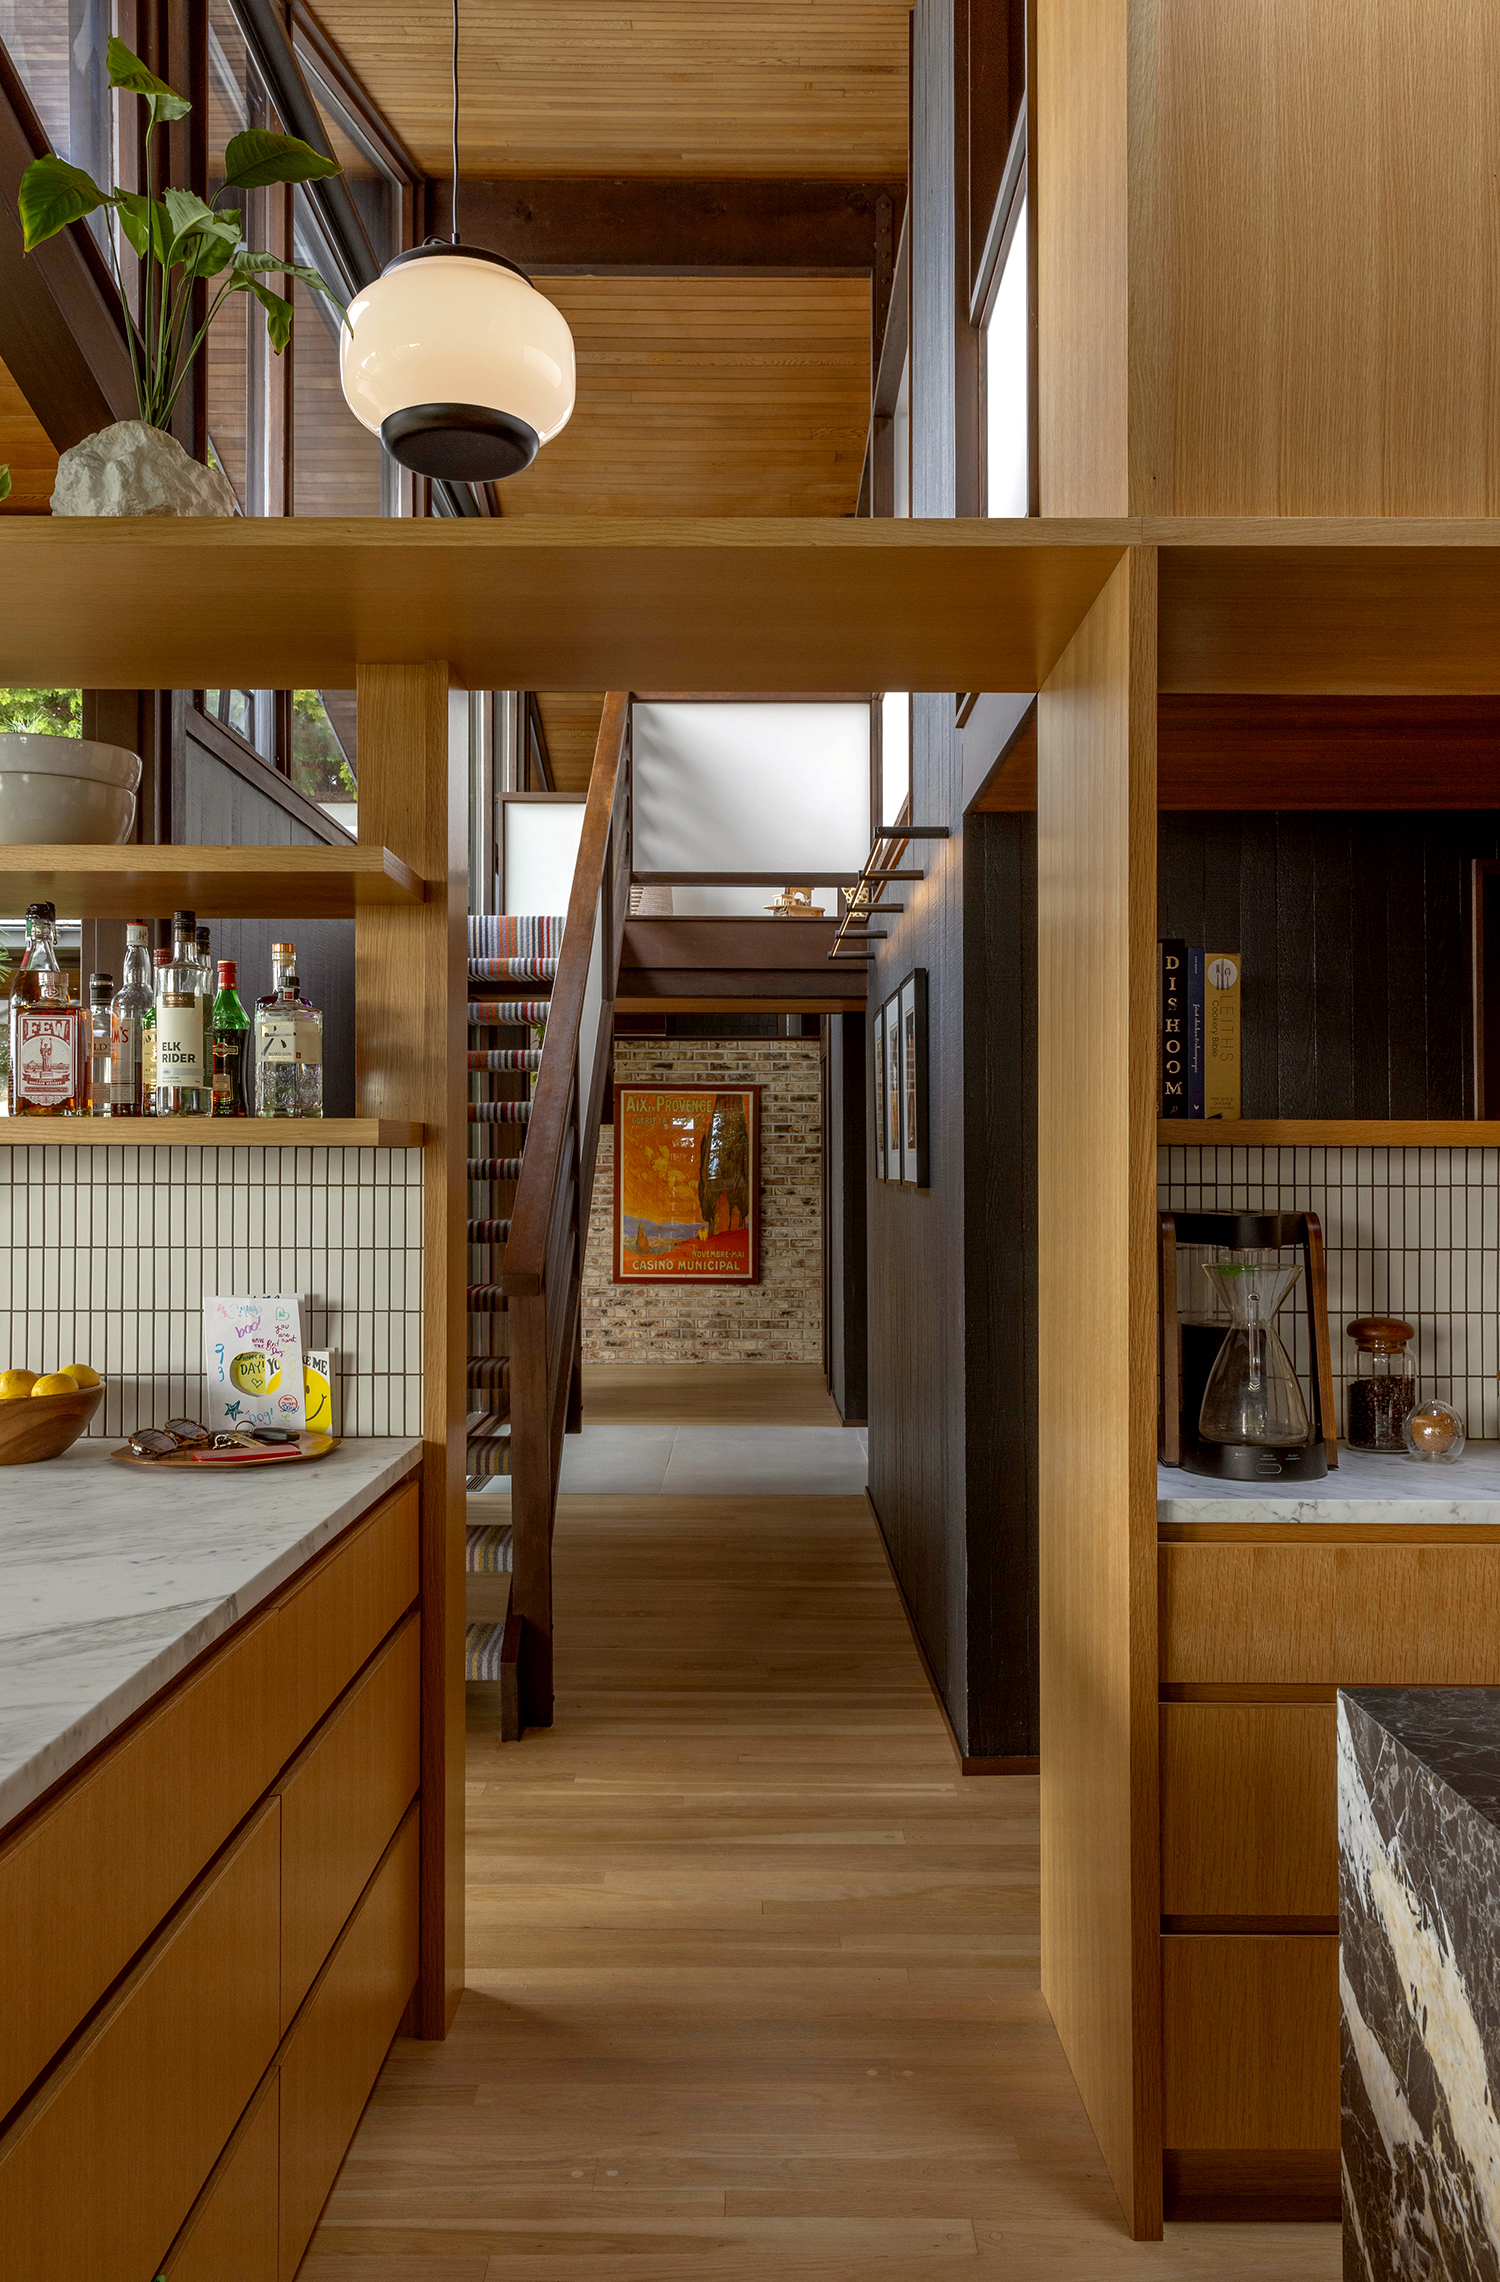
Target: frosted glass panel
(895,753)
(1007,453)
(751,788)
(541,851)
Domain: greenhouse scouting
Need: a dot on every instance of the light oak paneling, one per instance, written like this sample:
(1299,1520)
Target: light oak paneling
(1249,1811)
(234,883)
(793,87)
(1349,1615)
(232,2232)
(1096,919)
(100,2169)
(409,1061)
(340,1801)
(1250,2040)
(334,2053)
(27,450)
(336,1620)
(570,723)
(1329,258)
(708,396)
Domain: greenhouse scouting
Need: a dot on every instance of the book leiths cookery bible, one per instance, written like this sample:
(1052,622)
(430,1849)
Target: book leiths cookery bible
(1221,1034)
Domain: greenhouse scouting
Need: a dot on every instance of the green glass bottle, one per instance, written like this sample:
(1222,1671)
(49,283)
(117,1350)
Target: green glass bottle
(231,1047)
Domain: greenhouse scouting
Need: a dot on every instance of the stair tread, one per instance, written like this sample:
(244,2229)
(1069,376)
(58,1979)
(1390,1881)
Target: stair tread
(489,1232)
(486,1299)
(504,1058)
(507,1013)
(487,1549)
(484,1646)
(493,1168)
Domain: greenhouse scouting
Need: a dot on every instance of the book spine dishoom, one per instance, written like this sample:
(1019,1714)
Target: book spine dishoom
(1172,1059)
(1221,1034)
(1195,1038)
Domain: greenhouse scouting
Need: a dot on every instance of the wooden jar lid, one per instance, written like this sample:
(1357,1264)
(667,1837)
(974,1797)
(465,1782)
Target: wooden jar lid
(1379,1334)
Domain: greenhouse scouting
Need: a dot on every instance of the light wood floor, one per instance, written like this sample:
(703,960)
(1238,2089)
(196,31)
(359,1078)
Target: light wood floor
(707,1394)
(753,1973)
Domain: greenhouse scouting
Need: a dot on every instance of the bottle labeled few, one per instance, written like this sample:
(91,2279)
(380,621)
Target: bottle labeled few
(48,1034)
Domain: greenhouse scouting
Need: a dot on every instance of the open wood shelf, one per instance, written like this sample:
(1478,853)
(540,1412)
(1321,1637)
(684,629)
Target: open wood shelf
(210,1132)
(218,883)
(1331,1133)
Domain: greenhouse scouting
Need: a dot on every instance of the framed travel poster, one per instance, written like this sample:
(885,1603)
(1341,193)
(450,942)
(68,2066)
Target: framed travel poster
(687,1185)
(891,1023)
(913,1051)
(880,1171)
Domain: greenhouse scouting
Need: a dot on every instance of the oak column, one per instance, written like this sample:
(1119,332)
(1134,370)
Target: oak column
(409,1063)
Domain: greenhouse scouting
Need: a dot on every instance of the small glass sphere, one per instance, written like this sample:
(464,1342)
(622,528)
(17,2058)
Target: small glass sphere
(1434,1432)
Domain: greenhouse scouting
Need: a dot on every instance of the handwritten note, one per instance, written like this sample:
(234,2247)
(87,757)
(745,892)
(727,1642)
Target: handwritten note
(252,1361)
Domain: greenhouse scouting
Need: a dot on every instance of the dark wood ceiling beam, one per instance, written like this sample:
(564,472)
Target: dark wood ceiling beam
(667,227)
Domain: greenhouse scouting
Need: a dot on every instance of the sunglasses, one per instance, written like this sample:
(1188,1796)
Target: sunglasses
(187,1434)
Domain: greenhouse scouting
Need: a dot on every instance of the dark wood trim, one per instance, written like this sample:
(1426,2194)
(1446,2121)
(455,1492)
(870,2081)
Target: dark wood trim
(235,754)
(1259,2184)
(1325,1924)
(667,226)
(965,1766)
(745,879)
(534,746)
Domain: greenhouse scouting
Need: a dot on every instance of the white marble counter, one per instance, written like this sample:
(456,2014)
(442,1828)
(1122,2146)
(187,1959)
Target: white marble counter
(114,1578)
(1361,1489)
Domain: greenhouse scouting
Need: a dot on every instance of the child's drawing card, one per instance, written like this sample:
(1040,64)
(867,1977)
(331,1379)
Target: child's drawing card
(252,1361)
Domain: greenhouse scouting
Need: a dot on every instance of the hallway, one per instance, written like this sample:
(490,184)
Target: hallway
(752,1970)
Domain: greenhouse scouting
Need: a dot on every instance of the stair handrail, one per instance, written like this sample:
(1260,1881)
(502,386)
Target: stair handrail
(525,1271)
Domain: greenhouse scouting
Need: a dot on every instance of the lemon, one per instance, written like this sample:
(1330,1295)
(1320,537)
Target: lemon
(82,1374)
(13,1383)
(56,1383)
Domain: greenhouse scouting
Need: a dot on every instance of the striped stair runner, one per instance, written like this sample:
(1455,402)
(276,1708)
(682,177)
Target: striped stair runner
(504,1054)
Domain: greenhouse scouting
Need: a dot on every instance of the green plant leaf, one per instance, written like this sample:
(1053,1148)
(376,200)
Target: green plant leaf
(53,194)
(257,157)
(135,217)
(188,213)
(215,249)
(248,264)
(128,71)
(4,483)
(278,313)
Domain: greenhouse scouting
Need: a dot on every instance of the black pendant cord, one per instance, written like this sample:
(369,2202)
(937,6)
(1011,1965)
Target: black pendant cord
(455,122)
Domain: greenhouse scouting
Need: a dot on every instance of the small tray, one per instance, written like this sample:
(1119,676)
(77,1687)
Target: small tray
(309,1446)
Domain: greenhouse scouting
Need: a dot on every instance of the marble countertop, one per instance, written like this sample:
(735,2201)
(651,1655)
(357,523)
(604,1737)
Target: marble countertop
(1453,1732)
(114,1578)
(1362,1489)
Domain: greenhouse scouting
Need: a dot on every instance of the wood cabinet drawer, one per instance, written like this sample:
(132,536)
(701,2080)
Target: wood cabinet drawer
(1250,2040)
(1249,1811)
(86,1883)
(103,2164)
(231,2233)
(341,1799)
(1272,1614)
(337,1619)
(334,2052)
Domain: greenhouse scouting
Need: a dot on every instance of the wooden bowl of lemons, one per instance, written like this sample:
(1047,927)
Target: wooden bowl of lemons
(41,1415)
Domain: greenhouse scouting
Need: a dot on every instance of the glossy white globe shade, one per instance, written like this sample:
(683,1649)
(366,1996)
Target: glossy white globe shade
(457,363)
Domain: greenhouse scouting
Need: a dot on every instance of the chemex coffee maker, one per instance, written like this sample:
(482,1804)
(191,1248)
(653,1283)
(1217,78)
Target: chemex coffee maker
(1230,1402)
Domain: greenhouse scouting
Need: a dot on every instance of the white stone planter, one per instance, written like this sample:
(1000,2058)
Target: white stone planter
(131,469)
(65,791)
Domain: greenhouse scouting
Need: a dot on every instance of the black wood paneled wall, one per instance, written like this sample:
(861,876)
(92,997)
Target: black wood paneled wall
(1355,931)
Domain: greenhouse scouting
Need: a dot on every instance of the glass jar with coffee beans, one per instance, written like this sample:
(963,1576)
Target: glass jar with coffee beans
(1383,1392)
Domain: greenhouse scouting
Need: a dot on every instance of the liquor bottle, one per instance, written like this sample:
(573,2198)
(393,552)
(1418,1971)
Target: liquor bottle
(48,1035)
(132,1002)
(210,992)
(309,1056)
(161,959)
(305,1098)
(231,1047)
(276,1089)
(101,991)
(184,1087)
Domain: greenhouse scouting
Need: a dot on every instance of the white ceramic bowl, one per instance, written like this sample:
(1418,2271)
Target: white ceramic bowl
(65,791)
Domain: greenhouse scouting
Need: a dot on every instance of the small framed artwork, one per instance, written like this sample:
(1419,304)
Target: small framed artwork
(913,1087)
(891,1021)
(687,1185)
(880,1157)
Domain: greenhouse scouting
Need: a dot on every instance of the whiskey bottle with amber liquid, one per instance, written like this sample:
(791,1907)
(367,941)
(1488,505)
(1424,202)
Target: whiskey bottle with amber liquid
(49,1033)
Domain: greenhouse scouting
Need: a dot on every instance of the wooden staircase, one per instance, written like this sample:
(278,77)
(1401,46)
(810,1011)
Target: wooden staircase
(539,1067)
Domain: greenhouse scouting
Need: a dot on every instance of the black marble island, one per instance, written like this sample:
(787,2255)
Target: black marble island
(1419,1982)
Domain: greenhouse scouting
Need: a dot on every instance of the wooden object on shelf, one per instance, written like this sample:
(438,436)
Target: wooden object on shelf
(1250,2040)
(223,883)
(411,991)
(37,1427)
(1096,721)
(1327,1133)
(1249,1814)
(211,1132)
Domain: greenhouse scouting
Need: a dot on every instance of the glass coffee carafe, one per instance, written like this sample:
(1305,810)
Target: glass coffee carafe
(1253,1395)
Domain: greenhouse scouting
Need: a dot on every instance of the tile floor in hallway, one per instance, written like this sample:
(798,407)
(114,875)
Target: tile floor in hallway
(752,1969)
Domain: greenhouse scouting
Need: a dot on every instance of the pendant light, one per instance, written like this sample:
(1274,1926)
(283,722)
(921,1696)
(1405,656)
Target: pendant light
(454,359)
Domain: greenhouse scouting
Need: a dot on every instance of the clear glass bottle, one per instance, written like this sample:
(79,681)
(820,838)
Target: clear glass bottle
(161,959)
(1382,1393)
(129,1008)
(184,1086)
(309,1056)
(276,1073)
(101,991)
(231,1047)
(48,1032)
(210,992)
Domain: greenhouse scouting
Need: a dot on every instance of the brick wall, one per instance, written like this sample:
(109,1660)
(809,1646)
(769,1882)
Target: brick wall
(778,1320)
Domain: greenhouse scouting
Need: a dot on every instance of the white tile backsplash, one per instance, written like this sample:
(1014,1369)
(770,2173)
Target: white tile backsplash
(106,1256)
(1408,1232)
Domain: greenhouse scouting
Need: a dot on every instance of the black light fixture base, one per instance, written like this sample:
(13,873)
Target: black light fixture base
(460,443)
